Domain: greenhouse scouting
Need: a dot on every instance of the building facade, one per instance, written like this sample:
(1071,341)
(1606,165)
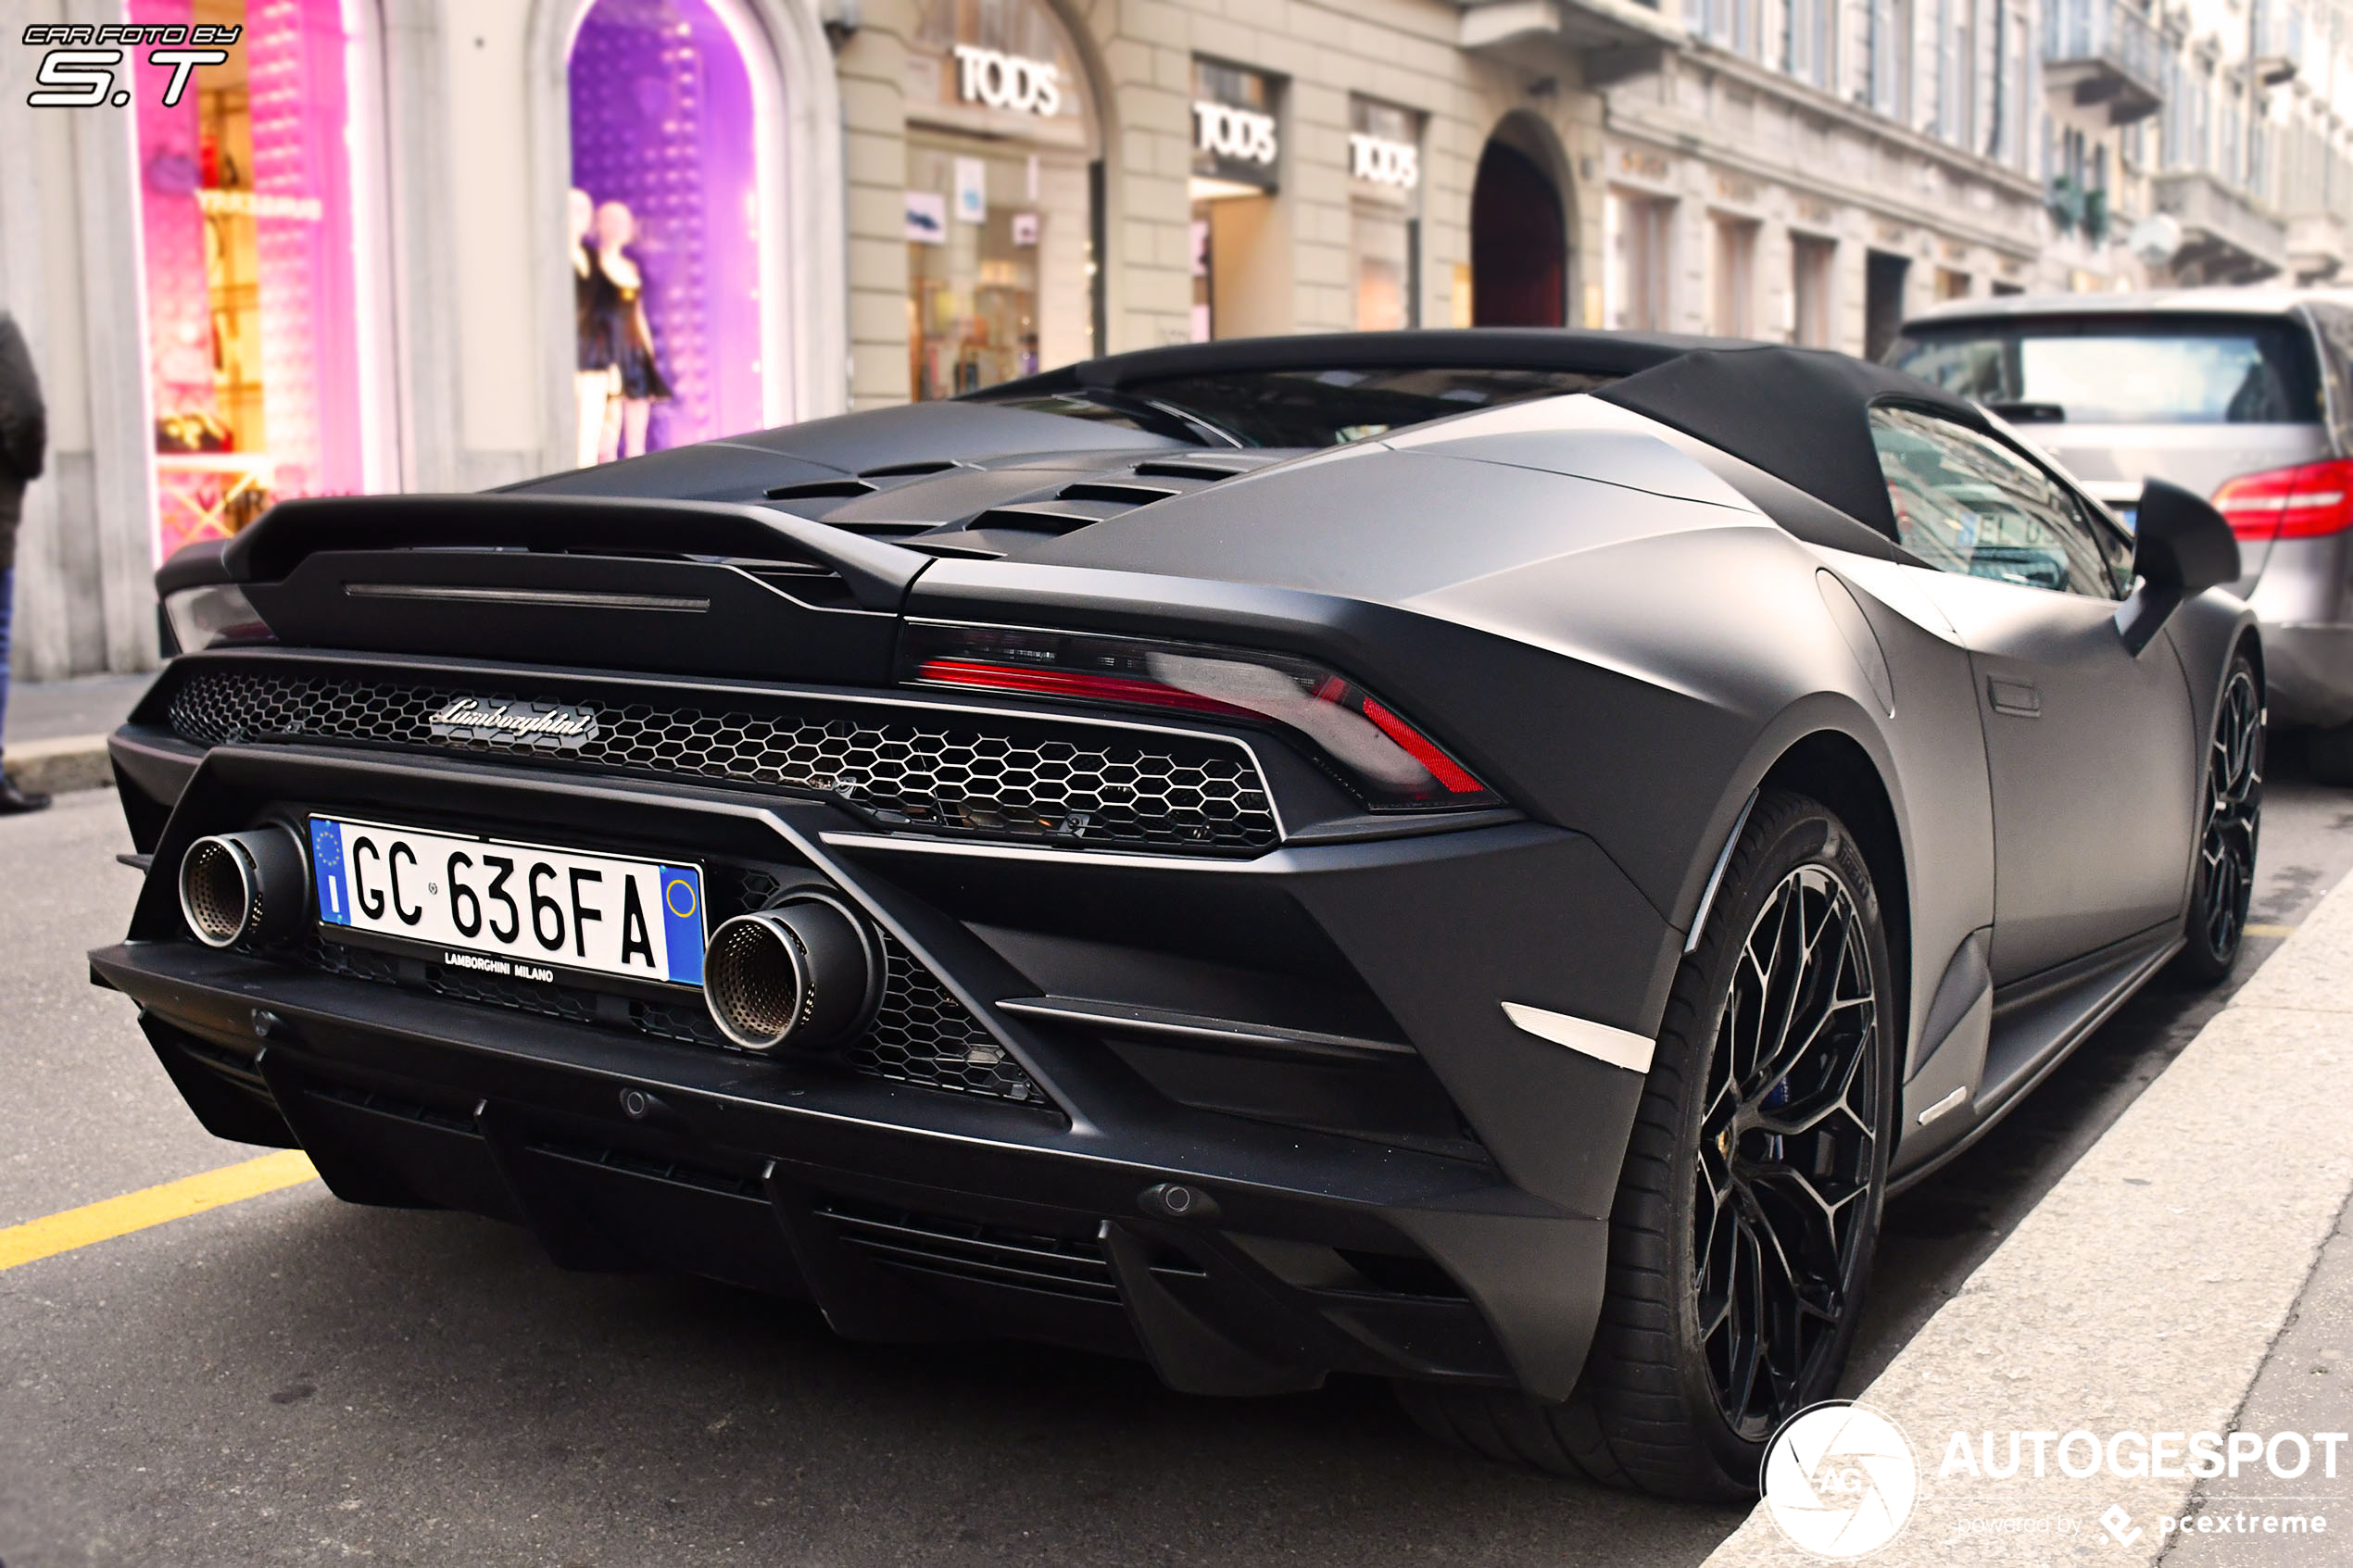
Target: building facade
(428,244)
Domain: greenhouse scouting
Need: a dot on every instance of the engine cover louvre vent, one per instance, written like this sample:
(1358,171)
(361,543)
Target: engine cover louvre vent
(965,774)
(1167,469)
(1118,494)
(908,470)
(940,1244)
(821,490)
(874,530)
(1038,516)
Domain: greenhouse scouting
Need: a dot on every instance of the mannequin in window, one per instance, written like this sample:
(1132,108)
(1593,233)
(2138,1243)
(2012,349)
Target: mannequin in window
(593,377)
(625,342)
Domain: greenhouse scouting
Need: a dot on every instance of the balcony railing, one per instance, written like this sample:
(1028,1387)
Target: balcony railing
(2104,52)
(2225,237)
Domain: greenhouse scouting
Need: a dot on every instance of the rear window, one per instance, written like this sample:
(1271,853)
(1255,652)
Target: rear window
(1325,408)
(2123,369)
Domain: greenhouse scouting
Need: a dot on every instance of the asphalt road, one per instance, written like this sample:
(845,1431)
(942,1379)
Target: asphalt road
(292,1380)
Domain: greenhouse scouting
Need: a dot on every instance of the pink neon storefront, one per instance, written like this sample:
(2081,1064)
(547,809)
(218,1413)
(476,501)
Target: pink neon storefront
(260,222)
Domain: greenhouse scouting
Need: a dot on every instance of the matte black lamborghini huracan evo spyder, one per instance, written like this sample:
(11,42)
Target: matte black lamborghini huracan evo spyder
(1199,856)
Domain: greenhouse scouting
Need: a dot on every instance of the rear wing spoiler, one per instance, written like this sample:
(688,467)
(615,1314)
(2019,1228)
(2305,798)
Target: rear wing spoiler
(878,574)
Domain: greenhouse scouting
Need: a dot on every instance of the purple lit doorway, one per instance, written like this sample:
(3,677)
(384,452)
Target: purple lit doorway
(670,100)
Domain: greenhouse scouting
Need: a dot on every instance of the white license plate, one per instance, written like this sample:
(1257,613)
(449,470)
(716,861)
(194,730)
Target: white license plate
(505,909)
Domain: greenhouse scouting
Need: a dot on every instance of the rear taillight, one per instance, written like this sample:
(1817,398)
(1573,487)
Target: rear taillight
(1389,762)
(2303,502)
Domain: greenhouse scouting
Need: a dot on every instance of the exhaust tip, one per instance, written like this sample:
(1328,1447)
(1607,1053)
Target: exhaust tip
(807,972)
(235,887)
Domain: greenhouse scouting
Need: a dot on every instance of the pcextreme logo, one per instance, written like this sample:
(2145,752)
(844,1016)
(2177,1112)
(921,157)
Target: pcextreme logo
(78,71)
(1840,1480)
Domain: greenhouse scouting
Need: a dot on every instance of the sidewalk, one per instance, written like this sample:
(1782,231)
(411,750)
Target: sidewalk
(2192,1274)
(58,730)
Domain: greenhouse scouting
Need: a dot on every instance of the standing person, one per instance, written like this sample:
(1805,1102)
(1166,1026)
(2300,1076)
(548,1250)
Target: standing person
(24,439)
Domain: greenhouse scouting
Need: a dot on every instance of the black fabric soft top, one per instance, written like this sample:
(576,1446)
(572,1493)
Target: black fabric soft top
(1799,414)
(1803,415)
(1527,348)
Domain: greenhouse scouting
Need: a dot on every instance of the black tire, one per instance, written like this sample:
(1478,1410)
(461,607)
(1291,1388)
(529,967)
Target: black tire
(2230,823)
(1653,1410)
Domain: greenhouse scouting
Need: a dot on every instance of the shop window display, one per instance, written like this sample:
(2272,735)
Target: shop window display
(1000,224)
(252,258)
(665,224)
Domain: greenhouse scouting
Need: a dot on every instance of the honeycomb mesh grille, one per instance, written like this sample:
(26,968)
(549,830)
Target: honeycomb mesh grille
(965,774)
(921,1034)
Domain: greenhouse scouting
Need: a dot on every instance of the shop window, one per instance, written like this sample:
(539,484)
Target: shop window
(1640,247)
(1732,311)
(257,355)
(1810,262)
(670,100)
(1384,177)
(1241,280)
(1002,277)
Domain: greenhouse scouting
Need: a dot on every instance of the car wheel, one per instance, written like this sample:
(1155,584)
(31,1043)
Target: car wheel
(1748,1206)
(2222,881)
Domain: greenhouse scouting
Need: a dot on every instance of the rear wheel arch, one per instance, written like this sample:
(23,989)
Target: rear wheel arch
(1834,768)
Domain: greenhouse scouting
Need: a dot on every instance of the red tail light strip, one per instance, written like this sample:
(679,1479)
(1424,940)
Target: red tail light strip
(1069,682)
(1392,765)
(1443,768)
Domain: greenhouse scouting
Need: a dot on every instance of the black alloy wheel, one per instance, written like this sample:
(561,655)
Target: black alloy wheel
(2223,883)
(1748,1208)
(1787,1149)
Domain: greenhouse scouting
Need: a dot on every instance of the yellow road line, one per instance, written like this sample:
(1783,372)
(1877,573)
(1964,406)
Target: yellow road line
(2255,930)
(53,1234)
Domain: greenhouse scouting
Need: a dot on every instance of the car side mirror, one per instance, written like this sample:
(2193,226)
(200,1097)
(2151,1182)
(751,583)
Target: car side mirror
(2182,546)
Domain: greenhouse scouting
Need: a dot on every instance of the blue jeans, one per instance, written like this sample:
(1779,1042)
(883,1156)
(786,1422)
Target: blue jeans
(7,598)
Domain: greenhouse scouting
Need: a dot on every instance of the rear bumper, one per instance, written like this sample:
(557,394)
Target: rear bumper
(909,1212)
(905,1215)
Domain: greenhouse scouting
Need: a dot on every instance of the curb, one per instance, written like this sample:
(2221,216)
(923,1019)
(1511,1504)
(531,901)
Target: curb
(2141,1295)
(55,767)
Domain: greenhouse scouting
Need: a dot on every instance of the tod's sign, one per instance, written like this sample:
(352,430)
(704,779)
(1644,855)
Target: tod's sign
(1236,146)
(1008,81)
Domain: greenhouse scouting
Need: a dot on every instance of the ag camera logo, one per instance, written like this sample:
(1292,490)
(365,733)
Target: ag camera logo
(1840,1480)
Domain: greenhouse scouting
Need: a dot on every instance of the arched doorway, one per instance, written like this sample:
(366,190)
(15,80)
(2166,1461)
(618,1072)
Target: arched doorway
(675,113)
(260,204)
(1519,242)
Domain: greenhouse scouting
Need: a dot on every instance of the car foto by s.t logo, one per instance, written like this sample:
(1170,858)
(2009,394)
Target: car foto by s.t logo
(1840,1479)
(541,726)
(78,72)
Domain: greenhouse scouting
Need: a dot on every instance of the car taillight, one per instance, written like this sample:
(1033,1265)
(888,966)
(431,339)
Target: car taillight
(2303,502)
(1389,762)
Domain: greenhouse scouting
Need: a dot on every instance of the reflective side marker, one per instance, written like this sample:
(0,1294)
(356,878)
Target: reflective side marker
(1619,1047)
